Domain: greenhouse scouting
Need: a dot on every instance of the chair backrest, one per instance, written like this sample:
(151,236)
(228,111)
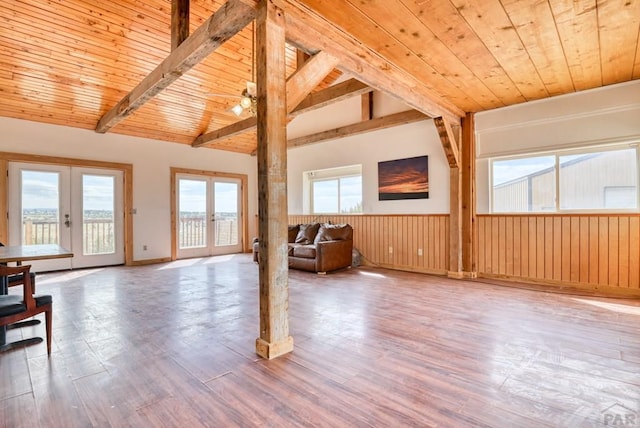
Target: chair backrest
(17,279)
(7,271)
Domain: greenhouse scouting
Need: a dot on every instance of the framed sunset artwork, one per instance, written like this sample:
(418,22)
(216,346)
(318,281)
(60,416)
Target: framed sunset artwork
(403,179)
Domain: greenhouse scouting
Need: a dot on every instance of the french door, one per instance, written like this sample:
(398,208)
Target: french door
(209,215)
(78,208)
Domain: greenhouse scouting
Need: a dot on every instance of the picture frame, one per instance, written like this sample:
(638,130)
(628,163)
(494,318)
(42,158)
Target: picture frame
(403,179)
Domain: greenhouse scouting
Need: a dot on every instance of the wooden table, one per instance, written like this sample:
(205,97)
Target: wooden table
(18,254)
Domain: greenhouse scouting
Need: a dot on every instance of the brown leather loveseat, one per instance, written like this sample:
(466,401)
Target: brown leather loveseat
(317,247)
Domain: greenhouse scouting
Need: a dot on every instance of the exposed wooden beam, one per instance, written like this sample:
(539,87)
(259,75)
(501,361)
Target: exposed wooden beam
(228,131)
(309,31)
(360,128)
(220,27)
(179,22)
(332,94)
(308,77)
(274,339)
(448,140)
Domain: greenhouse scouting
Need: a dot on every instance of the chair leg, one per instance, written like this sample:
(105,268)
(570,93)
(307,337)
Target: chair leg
(48,320)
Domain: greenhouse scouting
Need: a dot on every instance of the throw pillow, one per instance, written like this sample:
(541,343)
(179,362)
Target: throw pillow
(293,232)
(334,232)
(307,233)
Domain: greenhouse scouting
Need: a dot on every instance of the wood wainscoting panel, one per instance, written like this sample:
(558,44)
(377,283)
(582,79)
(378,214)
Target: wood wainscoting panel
(588,250)
(394,241)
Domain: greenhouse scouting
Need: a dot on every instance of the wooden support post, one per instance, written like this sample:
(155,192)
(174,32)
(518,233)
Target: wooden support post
(4,201)
(367,106)
(179,22)
(455,224)
(451,150)
(468,166)
(274,337)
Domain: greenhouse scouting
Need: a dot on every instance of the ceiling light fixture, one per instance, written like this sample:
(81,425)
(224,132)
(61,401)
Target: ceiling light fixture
(237,109)
(249,99)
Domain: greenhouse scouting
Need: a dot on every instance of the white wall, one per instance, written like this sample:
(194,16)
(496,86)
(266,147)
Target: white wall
(607,115)
(151,161)
(416,139)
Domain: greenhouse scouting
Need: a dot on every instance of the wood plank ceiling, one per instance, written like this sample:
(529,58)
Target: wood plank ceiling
(69,61)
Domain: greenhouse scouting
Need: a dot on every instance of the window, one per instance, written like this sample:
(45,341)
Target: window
(597,180)
(335,190)
(587,180)
(524,184)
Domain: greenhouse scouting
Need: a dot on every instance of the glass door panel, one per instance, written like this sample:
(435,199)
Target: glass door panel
(203,202)
(39,209)
(227,214)
(98,215)
(40,201)
(193,212)
(81,209)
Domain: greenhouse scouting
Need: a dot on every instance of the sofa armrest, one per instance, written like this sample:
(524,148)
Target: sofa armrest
(331,255)
(255,249)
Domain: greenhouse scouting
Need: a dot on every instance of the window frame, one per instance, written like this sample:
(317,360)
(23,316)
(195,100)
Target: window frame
(333,174)
(558,194)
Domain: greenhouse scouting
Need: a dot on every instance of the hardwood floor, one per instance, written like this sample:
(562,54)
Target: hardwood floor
(173,345)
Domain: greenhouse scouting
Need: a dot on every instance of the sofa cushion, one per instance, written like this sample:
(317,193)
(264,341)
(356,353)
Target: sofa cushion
(305,251)
(293,232)
(334,232)
(307,233)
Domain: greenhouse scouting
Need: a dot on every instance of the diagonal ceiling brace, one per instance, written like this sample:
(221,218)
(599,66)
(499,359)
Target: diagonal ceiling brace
(332,94)
(299,85)
(232,17)
(313,101)
(448,141)
(307,77)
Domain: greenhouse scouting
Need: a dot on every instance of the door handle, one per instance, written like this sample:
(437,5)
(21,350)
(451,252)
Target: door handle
(67,222)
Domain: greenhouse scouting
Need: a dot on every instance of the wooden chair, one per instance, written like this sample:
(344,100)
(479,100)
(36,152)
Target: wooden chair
(14,280)
(18,279)
(15,308)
